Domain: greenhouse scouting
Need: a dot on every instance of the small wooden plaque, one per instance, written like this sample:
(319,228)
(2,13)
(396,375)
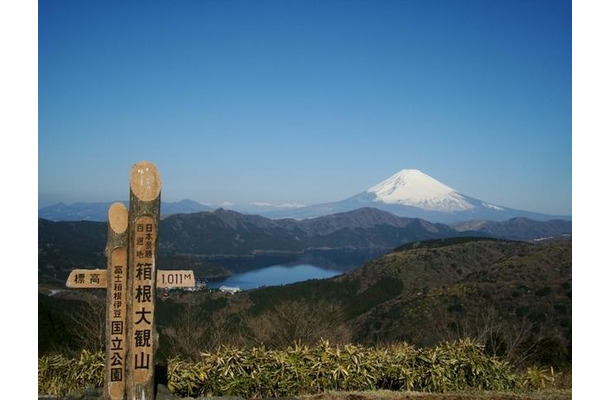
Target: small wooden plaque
(175,279)
(87,279)
(97,279)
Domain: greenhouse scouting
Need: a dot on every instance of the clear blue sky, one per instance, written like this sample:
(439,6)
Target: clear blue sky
(306,101)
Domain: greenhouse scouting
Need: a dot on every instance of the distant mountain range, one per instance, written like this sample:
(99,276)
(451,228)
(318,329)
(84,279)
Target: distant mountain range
(67,244)
(408,193)
(518,228)
(99,211)
(411,193)
(228,232)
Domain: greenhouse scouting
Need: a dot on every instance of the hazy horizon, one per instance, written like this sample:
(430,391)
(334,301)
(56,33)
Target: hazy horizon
(231,205)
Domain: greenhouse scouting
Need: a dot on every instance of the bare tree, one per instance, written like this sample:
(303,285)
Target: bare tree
(187,333)
(515,340)
(502,336)
(195,330)
(88,324)
(293,321)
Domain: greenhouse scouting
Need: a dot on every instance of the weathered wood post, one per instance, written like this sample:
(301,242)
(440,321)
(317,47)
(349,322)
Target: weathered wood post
(130,279)
(116,303)
(144,210)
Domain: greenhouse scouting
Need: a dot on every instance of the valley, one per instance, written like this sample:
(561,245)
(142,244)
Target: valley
(515,297)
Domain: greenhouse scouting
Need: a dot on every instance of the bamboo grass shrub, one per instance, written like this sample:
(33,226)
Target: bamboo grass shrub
(300,370)
(462,365)
(59,375)
(536,378)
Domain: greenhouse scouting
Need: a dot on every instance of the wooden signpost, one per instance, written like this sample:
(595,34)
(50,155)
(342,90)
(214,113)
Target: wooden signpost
(130,280)
(144,206)
(116,303)
(166,279)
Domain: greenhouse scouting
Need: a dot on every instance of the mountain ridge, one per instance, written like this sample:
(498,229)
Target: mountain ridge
(98,211)
(68,244)
(408,193)
(412,193)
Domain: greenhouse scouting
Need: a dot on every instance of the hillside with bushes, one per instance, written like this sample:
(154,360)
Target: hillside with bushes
(301,370)
(513,296)
(510,300)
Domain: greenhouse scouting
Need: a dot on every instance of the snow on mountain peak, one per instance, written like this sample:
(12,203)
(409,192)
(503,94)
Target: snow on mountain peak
(411,187)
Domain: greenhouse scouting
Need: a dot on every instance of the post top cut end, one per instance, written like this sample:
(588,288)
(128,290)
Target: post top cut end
(145,181)
(118,217)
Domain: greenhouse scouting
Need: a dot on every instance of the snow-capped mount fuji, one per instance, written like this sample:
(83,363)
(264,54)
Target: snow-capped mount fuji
(412,193)
(411,187)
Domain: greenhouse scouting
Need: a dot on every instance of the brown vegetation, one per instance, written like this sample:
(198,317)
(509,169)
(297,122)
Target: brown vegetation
(562,394)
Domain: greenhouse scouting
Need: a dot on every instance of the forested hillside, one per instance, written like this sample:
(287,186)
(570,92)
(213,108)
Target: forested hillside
(514,297)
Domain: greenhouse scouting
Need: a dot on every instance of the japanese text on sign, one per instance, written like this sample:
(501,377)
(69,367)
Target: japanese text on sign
(143,298)
(117,308)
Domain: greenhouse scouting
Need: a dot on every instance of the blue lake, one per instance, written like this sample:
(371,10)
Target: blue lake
(275,275)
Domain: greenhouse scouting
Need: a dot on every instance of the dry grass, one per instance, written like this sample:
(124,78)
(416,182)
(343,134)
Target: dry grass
(563,380)
(563,394)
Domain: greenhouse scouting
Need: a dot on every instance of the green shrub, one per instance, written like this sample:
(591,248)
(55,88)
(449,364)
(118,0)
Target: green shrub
(59,375)
(536,378)
(301,370)
(462,365)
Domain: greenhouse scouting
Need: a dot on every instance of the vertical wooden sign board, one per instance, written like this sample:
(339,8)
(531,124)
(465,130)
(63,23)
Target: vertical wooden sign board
(144,209)
(130,279)
(116,306)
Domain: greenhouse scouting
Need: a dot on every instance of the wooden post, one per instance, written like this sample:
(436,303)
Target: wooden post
(130,279)
(144,210)
(116,304)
